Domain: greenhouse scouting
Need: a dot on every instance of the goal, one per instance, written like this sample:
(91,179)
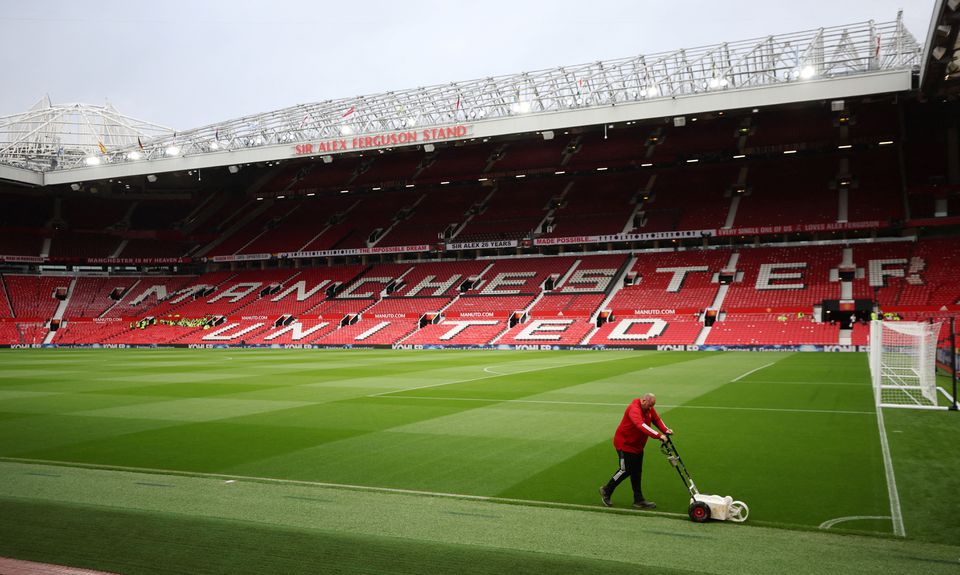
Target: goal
(903,364)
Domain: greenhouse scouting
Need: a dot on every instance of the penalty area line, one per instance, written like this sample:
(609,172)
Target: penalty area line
(753,371)
(896,515)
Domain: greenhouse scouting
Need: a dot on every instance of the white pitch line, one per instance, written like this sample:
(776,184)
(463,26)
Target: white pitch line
(753,371)
(896,515)
(384,393)
(831,522)
(858,384)
(200,474)
(622,404)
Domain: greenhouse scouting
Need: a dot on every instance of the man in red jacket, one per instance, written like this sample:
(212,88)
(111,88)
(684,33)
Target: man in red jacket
(629,440)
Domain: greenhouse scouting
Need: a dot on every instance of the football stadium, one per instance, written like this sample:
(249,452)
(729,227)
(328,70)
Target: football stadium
(395,333)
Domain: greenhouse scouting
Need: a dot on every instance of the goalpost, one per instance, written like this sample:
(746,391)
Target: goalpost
(903,364)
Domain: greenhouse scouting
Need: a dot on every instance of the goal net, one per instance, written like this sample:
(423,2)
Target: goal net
(903,365)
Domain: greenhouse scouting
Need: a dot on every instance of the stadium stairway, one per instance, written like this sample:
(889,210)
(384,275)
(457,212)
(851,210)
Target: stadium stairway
(61,309)
(439,319)
(615,286)
(237,224)
(526,312)
(6,295)
(130,290)
(718,300)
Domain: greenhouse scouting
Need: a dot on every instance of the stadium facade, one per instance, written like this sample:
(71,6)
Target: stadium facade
(763,194)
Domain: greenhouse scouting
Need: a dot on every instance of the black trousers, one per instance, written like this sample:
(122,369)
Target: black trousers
(631,465)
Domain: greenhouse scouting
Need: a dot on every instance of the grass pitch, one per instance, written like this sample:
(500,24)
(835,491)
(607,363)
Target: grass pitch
(149,461)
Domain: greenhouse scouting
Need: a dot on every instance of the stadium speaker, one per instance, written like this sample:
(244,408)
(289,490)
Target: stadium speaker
(233,169)
(680,121)
(429,148)
(75,187)
(547,134)
(151,178)
(326,159)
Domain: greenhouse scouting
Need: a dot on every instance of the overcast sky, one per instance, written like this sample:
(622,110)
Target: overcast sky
(188,63)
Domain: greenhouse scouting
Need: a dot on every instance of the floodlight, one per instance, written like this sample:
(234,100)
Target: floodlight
(92,161)
(807,72)
(521,107)
(172,151)
(134,156)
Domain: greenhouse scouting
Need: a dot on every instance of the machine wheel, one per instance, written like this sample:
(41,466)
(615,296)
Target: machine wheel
(738,511)
(699,512)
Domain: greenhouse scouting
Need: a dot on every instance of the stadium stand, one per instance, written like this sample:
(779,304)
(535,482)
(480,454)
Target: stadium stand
(512,212)
(686,199)
(437,212)
(90,297)
(653,329)
(34,297)
(772,329)
(784,278)
(619,233)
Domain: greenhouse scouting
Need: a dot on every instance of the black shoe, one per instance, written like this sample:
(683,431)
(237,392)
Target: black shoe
(644,504)
(604,498)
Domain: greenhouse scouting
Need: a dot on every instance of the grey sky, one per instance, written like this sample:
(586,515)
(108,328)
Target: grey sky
(190,63)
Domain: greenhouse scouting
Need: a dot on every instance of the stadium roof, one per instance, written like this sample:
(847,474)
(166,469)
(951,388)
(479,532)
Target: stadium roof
(63,144)
(940,70)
